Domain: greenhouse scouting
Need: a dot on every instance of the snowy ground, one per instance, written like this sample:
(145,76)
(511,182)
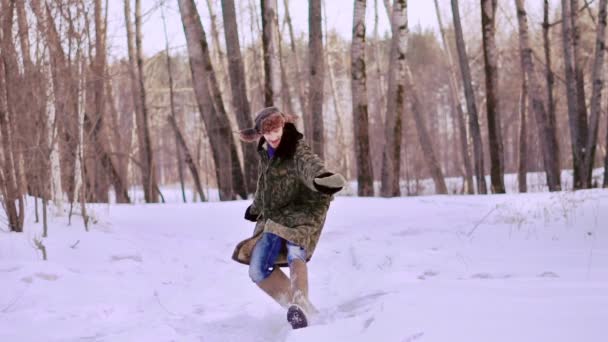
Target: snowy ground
(530,267)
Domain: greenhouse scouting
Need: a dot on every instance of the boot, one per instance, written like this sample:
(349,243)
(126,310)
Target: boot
(277,286)
(300,307)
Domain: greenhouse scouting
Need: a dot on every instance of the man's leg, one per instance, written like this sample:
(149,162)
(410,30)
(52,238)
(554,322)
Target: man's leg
(262,271)
(301,306)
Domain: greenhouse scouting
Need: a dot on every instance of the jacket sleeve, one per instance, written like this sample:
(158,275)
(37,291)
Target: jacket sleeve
(256,206)
(308,166)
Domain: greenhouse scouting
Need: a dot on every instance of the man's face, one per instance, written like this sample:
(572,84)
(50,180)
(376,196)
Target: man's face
(274,137)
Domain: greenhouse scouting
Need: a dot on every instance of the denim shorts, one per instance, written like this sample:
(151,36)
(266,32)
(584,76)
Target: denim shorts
(266,252)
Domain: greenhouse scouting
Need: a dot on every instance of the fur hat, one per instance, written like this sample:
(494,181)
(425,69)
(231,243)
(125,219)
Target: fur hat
(266,120)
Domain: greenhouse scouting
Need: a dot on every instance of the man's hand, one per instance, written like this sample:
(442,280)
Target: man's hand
(249,216)
(329,183)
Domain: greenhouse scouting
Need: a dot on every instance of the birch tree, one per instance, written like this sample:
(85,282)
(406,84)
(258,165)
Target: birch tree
(488,23)
(210,104)
(316,76)
(546,132)
(391,156)
(365,176)
(270,40)
(455,99)
(470,99)
(596,95)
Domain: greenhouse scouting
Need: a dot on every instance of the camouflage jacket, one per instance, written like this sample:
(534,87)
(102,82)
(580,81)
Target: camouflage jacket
(286,201)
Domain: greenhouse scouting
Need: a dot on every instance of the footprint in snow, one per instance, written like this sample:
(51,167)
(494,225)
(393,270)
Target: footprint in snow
(548,274)
(43,276)
(428,274)
(485,275)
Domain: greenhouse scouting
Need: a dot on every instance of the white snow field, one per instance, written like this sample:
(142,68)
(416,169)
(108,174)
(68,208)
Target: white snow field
(530,267)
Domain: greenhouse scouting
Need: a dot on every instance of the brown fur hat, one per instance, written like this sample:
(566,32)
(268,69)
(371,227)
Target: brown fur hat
(266,120)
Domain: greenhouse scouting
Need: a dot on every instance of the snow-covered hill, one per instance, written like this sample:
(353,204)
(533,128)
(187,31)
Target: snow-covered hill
(530,267)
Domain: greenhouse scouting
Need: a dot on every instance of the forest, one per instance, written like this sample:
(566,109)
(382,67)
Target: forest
(511,93)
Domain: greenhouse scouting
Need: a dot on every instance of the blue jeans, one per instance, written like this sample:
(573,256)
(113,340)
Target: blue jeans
(266,252)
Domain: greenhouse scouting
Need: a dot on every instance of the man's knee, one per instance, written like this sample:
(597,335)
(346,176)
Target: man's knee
(259,272)
(295,252)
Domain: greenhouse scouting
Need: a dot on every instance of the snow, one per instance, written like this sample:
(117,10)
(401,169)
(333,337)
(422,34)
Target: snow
(529,267)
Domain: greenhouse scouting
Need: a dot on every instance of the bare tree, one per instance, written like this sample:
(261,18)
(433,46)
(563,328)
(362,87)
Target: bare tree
(178,147)
(365,174)
(596,95)
(13,189)
(426,143)
(139,99)
(343,158)
(605,183)
(579,75)
(488,23)
(546,132)
(316,76)
(455,99)
(188,156)
(391,157)
(238,85)
(209,99)
(549,75)
(65,103)
(470,99)
(97,116)
(522,166)
(270,41)
(10,192)
(220,57)
(299,83)
(286,101)
(574,112)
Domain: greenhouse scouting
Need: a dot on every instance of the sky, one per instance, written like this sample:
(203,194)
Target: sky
(339,18)
(421,15)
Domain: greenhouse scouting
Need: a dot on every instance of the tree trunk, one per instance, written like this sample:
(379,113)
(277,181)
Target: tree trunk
(139,100)
(378,67)
(455,99)
(178,150)
(286,103)
(150,183)
(522,166)
(488,23)
(239,90)
(550,80)
(65,104)
(365,174)
(596,96)
(316,76)
(257,76)
(572,96)
(220,58)
(270,41)
(605,184)
(10,194)
(213,113)
(579,75)
(299,82)
(98,133)
(470,98)
(426,142)
(548,139)
(28,126)
(344,158)
(391,157)
(188,157)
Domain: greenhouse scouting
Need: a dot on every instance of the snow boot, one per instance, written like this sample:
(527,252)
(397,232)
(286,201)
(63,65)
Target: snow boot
(297,317)
(300,308)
